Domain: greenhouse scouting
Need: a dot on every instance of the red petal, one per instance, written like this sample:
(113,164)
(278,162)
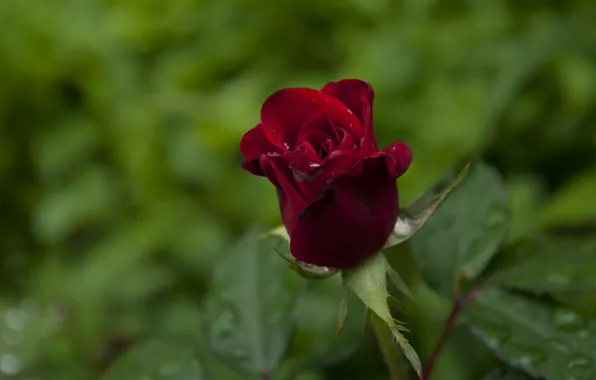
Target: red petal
(358,96)
(253,144)
(291,201)
(351,221)
(399,158)
(285,111)
(321,125)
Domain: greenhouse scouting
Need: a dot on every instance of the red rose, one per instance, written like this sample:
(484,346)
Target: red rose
(337,191)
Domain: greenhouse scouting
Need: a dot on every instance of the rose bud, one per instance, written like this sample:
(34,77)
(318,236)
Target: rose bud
(337,192)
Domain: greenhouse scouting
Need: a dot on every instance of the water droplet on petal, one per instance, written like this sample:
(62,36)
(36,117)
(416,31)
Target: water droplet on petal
(568,320)
(314,269)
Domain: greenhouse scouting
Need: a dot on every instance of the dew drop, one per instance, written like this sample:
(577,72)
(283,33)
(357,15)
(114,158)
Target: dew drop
(317,270)
(496,216)
(567,320)
(9,364)
(528,357)
(405,227)
(494,332)
(559,345)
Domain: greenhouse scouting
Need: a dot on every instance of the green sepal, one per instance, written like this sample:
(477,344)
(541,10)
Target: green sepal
(369,282)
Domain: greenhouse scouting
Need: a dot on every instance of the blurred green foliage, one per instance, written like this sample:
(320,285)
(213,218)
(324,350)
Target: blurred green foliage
(120,183)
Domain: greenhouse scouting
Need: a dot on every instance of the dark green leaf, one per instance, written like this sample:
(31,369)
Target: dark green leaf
(316,342)
(549,266)
(540,337)
(251,306)
(509,374)
(157,360)
(413,217)
(399,283)
(465,232)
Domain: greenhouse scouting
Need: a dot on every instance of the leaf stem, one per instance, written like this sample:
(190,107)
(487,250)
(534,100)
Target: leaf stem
(391,353)
(450,323)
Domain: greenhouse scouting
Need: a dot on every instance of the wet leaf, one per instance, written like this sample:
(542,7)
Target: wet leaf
(465,232)
(252,305)
(157,360)
(540,337)
(543,265)
(369,282)
(316,341)
(413,217)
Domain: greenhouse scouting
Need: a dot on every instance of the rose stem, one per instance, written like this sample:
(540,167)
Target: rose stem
(390,352)
(456,308)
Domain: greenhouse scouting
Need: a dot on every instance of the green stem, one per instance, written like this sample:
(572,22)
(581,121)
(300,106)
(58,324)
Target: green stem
(390,352)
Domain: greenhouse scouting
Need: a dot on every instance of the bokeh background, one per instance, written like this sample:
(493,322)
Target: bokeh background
(120,184)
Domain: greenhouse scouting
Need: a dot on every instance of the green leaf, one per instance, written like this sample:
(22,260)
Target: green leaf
(508,374)
(251,306)
(465,233)
(549,266)
(573,203)
(343,311)
(316,341)
(537,336)
(157,360)
(413,217)
(369,282)
(399,283)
